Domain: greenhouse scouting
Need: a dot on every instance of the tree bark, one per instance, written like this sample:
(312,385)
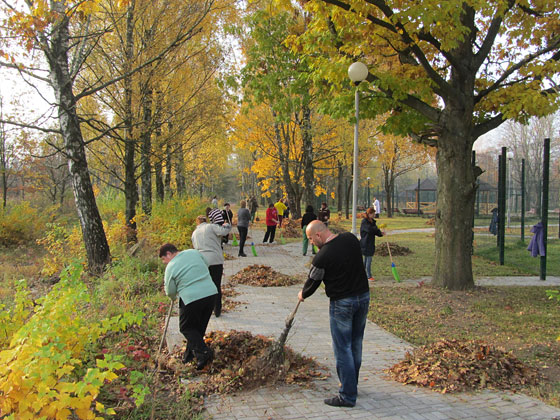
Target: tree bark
(180,170)
(339,186)
(56,52)
(308,175)
(456,192)
(146,150)
(168,192)
(130,191)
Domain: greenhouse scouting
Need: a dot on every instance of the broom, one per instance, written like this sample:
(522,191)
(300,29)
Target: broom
(393,266)
(253,249)
(157,367)
(276,353)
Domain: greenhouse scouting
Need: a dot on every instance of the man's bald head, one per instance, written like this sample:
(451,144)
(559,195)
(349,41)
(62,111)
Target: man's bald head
(317,232)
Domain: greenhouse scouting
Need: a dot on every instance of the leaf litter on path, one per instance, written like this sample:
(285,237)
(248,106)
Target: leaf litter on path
(240,363)
(453,365)
(262,276)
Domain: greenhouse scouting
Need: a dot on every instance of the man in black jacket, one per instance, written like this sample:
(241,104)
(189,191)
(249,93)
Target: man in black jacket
(338,264)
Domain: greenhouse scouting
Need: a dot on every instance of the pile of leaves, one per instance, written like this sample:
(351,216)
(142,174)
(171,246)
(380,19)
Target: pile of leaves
(228,304)
(291,228)
(262,276)
(452,366)
(241,362)
(396,250)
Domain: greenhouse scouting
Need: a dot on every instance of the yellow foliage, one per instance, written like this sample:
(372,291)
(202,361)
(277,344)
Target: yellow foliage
(62,247)
(40,357)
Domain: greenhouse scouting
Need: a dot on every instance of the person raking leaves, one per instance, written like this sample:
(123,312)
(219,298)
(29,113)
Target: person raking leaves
(338,264)
(187,276)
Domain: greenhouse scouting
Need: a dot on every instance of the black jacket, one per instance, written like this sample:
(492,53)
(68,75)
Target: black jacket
(368,232)
(307,218)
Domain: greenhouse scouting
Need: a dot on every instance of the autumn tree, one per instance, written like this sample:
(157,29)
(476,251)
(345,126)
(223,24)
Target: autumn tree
(448,73)
(275,80)
(157,111)
(66,34)
(526,141)
(397,156)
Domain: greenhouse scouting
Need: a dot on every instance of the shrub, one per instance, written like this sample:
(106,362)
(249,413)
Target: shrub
(62,246)
(172,221)
(20,225)
(41,371)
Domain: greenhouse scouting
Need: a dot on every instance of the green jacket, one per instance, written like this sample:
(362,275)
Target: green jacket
(187,276)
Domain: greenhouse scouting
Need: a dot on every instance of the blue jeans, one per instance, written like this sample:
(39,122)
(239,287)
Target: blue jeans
(348,320)
(367,264)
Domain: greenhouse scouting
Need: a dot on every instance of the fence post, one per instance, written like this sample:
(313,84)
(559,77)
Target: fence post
(473,163)
(522,200)
(498,198)
(544,214)
(418,198)
(502,207)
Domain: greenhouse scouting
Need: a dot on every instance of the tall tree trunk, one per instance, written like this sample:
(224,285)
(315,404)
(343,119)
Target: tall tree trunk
(456,191)
(146,149)
(339,186)
(308,175)
(168,166)
(3,158)
(130,191)
(389,181)
(95,241)
(158,164)
(158,169)
(180,170)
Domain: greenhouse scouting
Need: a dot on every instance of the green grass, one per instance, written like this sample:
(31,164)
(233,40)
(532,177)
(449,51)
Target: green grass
(395,223)
(485,262)
(518,258)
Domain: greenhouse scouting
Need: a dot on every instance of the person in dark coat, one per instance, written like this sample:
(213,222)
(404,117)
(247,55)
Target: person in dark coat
(307,218)
(368,232)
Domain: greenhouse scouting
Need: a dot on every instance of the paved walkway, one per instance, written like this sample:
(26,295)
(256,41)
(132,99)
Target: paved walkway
(264,312)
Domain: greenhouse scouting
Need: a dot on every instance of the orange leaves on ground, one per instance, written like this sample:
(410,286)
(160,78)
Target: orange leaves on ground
(453,365)
(240,363)
(263,276)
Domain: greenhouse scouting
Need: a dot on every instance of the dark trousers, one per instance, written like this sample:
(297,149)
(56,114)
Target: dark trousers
(242,237)
(193,320)
(216,272)
(270,232)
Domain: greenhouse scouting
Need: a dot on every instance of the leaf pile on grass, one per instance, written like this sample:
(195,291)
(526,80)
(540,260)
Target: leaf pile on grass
(228,257)
(396,250)
(262,276)
(452,366)
(291,228)
(229,304)
(240,362)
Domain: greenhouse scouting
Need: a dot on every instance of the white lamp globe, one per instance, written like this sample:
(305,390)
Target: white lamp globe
(510,155)
(357,72)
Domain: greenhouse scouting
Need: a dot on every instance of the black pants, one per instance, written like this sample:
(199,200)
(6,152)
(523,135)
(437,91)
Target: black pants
(270,232)
(193,320)
(242,238)
(216,272)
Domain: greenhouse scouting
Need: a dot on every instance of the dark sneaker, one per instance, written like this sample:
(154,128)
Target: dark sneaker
(338,402)
(242,255)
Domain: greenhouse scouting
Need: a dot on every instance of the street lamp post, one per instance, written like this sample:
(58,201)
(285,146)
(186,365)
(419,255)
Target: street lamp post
(357,73)
(510,157)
